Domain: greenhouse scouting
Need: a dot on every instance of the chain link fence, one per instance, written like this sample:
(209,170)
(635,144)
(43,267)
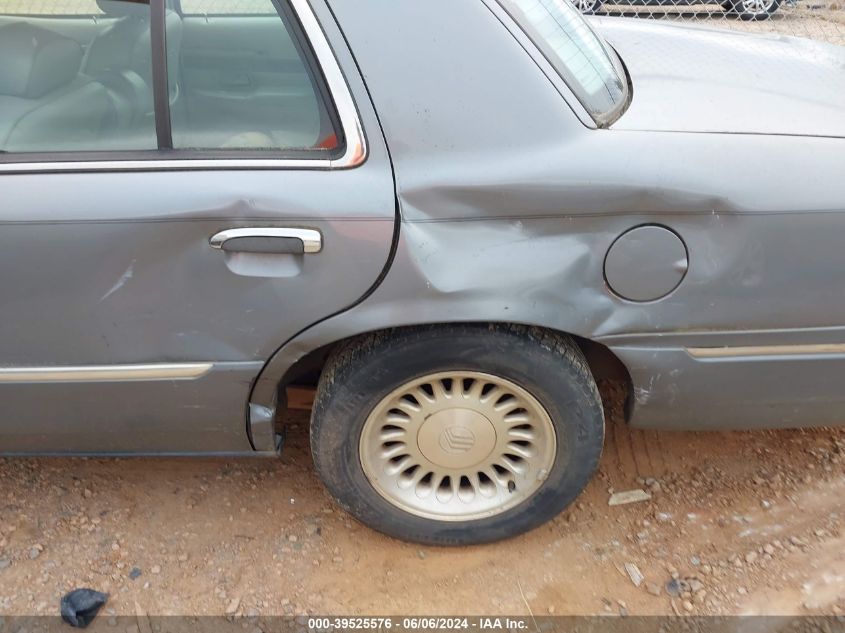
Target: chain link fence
(822,20)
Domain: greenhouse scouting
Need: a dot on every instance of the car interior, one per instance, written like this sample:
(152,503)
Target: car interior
(82,79)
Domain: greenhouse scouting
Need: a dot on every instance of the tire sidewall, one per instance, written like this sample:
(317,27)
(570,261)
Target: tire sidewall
(359,384)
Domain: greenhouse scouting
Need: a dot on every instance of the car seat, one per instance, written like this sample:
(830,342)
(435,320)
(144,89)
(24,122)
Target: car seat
(45,105)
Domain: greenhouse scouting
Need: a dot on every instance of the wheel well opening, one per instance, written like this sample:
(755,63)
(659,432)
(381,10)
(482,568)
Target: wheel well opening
(608,371)
(297,386)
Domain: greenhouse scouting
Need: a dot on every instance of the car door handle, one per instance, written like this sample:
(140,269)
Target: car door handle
(268,240)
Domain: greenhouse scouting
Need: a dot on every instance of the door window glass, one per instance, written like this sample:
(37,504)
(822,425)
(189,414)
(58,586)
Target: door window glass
(75,85)
(245,81)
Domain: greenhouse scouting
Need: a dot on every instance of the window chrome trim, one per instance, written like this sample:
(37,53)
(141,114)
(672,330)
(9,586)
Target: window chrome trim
(350,121)
(347,111)
(105,373)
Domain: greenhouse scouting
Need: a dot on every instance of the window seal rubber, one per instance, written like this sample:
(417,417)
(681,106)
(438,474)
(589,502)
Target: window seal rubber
(161,81)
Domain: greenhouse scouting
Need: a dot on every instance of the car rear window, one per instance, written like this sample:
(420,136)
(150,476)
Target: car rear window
(584,61)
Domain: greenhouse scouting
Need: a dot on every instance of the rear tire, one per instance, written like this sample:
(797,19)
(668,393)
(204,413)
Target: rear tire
(515,402)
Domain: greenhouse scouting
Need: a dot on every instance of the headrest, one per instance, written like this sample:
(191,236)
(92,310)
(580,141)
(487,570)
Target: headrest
(122,8)
(35,61)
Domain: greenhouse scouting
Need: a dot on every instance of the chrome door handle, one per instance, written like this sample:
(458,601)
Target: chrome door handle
(268,240)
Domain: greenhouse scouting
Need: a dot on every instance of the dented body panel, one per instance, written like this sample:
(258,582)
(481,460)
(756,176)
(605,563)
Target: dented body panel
(115,269)
(80,289)
(509,219)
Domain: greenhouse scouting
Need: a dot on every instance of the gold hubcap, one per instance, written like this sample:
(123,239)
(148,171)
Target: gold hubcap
(457,446)
(456,438)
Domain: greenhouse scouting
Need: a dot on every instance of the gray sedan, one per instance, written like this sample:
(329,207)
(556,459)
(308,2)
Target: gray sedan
(451,229)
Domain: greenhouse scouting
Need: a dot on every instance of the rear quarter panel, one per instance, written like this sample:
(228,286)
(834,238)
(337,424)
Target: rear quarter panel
(509,205)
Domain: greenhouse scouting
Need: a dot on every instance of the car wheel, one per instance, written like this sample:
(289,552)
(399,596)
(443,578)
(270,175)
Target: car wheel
(755,9)
(588,7)
(456,435)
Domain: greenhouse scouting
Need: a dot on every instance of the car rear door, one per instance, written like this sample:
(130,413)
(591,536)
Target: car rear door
(162,234)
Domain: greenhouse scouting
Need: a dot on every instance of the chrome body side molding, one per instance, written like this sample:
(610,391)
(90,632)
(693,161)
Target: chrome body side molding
(105,373)
(765,350)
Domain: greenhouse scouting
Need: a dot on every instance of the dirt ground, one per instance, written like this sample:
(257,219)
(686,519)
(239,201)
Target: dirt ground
(738,523)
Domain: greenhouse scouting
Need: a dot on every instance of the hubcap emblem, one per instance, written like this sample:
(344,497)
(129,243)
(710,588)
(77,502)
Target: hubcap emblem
(457,440)
(456,437)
